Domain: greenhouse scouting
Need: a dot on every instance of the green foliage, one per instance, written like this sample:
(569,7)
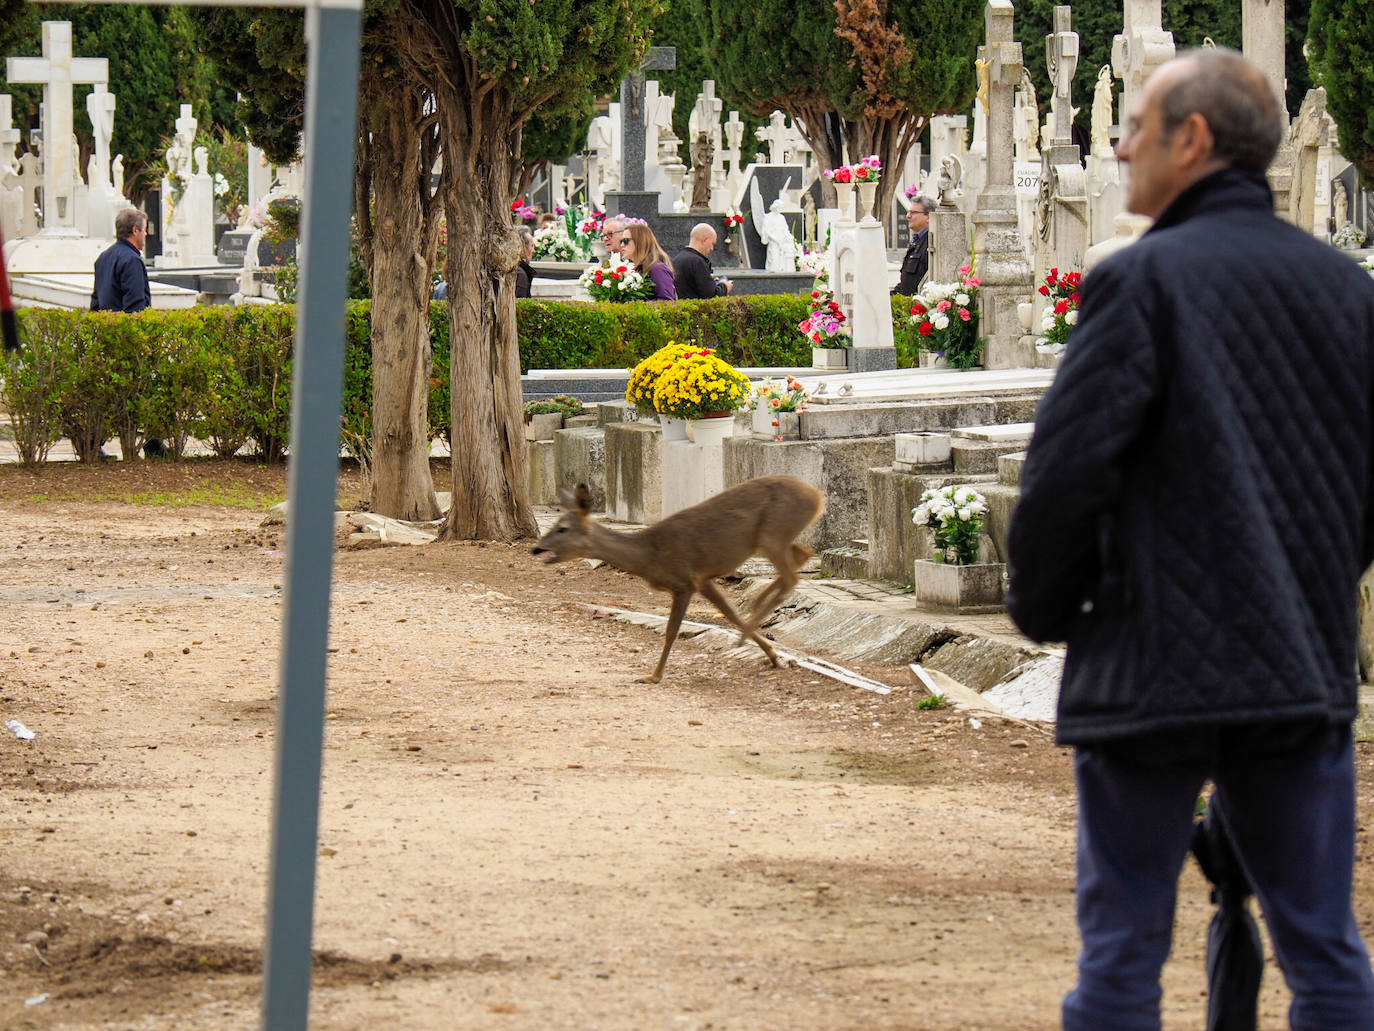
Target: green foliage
(155,62)
(1341,48)
(933,701)
(565,404)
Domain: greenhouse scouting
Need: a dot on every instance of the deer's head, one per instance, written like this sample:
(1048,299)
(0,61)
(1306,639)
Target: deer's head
(568,539)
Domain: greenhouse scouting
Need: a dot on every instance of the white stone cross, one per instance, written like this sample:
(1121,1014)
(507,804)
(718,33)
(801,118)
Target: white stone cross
(776,136)
(1262,28)
(1061,49)
(58,71)
(1141,48)
(705,117)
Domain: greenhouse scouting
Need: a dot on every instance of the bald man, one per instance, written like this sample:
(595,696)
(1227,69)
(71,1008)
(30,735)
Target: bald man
(692,272)
(1197,507)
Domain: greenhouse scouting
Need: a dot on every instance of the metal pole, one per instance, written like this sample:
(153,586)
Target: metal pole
(332,35)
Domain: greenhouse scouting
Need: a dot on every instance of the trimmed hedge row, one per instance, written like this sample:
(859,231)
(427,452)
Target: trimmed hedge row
(223,374)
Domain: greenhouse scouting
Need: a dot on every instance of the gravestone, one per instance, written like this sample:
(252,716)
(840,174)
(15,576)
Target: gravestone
(1061,220)
(11,192)
(1141,47)
(1104,174)
(858,278)
(770,180)
(1002,265)
(62,244)
(1262,28)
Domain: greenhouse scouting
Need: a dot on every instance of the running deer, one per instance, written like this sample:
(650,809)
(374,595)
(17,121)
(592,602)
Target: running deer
(685,552)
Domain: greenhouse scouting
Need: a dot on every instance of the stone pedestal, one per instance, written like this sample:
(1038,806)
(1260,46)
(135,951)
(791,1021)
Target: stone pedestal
(975,588)
(872,359)
(691,473)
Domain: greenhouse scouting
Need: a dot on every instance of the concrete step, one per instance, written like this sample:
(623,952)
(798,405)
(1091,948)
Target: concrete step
(979,456)
(849,562)
(1009,468)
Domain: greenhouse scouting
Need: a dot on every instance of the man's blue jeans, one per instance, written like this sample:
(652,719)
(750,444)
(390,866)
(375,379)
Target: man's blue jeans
(1288,795)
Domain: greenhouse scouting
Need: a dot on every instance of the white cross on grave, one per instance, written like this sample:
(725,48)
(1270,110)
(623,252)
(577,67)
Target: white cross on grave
(1142,46)
(58,71)
(776,137)
(9,135)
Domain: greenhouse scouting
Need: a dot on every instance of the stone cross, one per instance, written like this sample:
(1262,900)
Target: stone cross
(1061,50)
(632,117)
(58,71)
(776,137)
(1261,33)
(1141,47)
(705,117)
(999,71)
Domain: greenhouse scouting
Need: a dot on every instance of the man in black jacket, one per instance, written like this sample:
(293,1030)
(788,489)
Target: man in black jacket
(916,260)
(692,272)
(1195,515)
(121,278)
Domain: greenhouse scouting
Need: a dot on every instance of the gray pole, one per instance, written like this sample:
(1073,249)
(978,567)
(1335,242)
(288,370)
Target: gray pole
(332,35)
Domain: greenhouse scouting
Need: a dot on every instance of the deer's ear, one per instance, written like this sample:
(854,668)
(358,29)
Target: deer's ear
(566,498)
(583,498)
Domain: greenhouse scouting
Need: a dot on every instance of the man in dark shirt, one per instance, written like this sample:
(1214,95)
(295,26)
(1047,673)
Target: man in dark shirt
(692,267)
(121,278)
(917,257)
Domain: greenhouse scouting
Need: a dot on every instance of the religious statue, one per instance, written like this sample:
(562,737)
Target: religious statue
(1102,114)
(100,105)
(1027,124)
(202,161)
(773,230)
(951,171)
(117,174)
(702,153)
(1340,207)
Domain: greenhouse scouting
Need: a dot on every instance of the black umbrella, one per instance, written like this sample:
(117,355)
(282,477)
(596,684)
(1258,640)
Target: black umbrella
(1235,957)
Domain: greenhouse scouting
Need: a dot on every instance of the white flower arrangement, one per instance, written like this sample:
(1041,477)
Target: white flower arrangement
(221,184)
(552,243)
(616,282)
(955,515)
(1348,237)
(814,264)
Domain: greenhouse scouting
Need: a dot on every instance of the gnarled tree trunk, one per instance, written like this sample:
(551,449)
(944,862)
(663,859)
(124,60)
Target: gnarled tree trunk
(482,145)
(399,228)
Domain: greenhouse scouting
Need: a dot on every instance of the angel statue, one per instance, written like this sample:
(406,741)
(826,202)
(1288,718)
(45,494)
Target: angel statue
(773,230)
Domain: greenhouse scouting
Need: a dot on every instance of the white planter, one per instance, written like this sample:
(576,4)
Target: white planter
(930,360)
(868,196)
(673,429)
(829,357)
(844,193)
(543,426)
(710,431)
(788,427)
(976,588)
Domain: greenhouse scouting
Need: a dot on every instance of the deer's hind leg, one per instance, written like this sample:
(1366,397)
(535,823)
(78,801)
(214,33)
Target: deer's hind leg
(713,594)
(788,564)
(675,614)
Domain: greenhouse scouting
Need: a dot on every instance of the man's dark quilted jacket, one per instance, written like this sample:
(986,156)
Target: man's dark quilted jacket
(1195,505)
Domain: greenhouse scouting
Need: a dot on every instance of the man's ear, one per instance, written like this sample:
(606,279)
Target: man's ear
(1196,146)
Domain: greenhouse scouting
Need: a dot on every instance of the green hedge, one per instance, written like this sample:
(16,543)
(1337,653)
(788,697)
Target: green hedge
(223,374)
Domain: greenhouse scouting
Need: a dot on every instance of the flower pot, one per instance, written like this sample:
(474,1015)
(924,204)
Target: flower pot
(868,195)
(931,360)
(845,193)
(673,429)
(829,357)
(711,430)
(543,425)
(788,424)
(975,588)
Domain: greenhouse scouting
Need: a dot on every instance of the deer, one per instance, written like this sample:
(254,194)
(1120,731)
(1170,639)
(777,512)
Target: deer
(684,553)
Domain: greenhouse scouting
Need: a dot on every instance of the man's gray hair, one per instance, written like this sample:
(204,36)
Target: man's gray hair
(526,235)
(927,205)
(127,221)
(1235,100)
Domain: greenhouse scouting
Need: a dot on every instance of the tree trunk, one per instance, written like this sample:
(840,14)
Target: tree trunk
(490,492)
(402,245)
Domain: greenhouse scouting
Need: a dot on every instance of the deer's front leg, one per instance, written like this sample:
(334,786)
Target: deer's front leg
(679,609)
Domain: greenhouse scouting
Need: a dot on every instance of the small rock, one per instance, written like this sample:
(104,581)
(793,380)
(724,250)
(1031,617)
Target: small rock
(38,939)
(1019,742)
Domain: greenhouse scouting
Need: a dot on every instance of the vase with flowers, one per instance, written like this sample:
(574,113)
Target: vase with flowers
(777,408)
(639,392)
(953,577)
(828,330)
(1060,290)
(946,317)
(704,390)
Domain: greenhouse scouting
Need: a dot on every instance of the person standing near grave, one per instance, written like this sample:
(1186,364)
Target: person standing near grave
(1197,507)
(916,260)
(524,271)
(121,278)
(612,229)
(693,277)
(640,247)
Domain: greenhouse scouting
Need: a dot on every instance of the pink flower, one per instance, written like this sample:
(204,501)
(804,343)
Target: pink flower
(973,281)
(774,403)
(965,314)
(965,269)
(843,175)
(944,305)
(804,326)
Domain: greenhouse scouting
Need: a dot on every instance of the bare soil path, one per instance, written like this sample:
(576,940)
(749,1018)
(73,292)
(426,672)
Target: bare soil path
(515,835)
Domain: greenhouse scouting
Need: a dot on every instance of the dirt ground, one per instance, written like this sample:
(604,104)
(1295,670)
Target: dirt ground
(514,834)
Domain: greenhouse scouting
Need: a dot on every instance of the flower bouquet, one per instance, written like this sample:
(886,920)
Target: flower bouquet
(616,282)
(733,220)
(826,325)
(776,402)
(869,170)
(699,385)
(639,392)
(552,244)
(523,212)
(955,515)
(946,315)
(1061,314)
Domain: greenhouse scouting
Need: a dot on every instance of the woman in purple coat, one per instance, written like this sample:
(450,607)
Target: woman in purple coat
(640,246)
